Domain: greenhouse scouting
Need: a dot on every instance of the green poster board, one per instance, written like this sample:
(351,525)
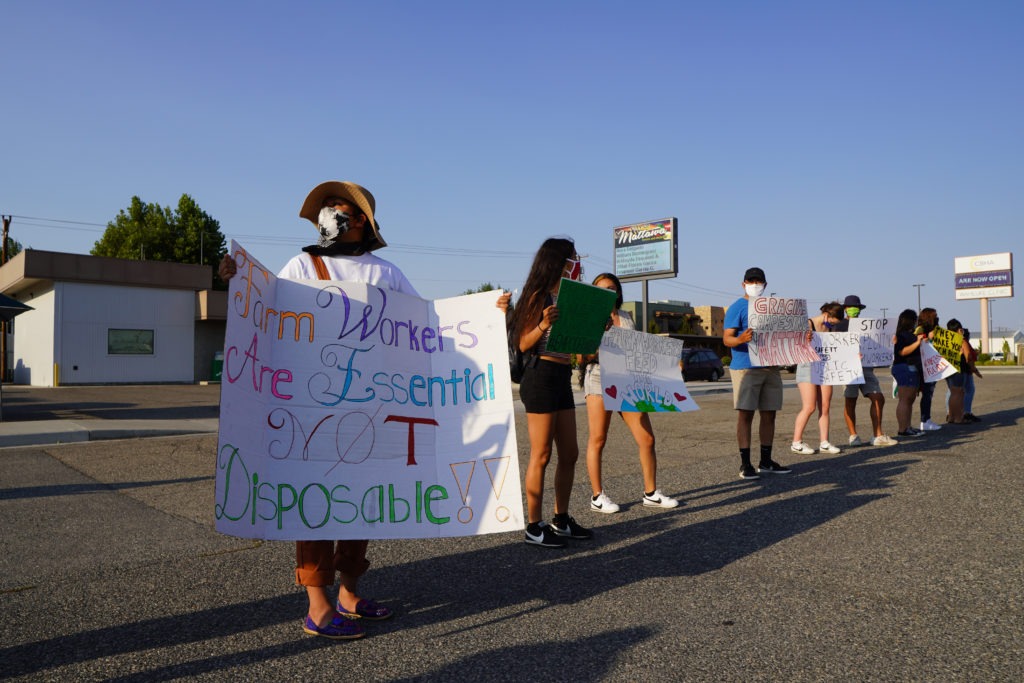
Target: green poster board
(583,312)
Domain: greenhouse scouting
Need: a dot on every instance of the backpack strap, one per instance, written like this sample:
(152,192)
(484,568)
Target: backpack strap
(321,268)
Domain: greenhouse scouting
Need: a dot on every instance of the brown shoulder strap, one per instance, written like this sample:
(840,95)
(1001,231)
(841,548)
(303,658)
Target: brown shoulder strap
(321,269)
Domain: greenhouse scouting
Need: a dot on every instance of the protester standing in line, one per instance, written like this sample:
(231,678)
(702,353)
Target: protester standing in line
(753,389)
(546,392)
(343,213)
(955,382)
(871,389)
(906,369)
(599,419)
(927,320)
(969,375)
(812,396)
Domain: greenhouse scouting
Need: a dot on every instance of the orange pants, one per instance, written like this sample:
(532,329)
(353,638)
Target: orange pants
(317,561)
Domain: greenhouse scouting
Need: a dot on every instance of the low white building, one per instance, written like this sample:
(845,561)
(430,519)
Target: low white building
(99,320)
(997,339)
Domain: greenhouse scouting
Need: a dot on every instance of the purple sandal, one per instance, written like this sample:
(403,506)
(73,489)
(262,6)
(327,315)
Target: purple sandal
(339,628)
(366,609)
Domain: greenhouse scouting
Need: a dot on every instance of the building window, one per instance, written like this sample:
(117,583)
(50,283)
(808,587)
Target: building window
(130,342)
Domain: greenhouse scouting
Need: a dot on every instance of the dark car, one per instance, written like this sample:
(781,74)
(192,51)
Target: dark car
(702,364)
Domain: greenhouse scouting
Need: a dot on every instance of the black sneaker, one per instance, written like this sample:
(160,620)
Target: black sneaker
(570,529)
(910,431)
(748,472)
(772,467)
(545,538)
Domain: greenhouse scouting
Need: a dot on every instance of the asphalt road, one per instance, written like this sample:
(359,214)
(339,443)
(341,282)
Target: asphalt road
(878,564)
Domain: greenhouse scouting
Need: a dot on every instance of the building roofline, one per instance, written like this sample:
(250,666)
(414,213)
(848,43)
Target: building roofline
(33,267)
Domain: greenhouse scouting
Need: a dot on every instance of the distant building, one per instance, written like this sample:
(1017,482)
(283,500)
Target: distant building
(997,338)
(712,320)
(98,320)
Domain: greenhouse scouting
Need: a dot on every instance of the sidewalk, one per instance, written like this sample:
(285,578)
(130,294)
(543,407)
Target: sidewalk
(34,416)
(50,415)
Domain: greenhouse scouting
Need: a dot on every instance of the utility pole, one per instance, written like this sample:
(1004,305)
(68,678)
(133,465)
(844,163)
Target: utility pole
(884,309)
(3,325)
(919,296)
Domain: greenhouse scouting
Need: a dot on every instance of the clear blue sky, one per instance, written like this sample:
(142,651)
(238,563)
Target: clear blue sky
(845,147)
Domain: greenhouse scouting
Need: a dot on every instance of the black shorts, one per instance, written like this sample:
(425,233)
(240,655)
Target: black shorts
(547,387)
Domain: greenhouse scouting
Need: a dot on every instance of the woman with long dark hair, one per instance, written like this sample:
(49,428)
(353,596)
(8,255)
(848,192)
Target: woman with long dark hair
(927,320)
(906,369)
(546,392)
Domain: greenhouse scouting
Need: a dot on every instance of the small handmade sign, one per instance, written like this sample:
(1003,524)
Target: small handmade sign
(640,373)
(780,332)
(840,359)
(875,340)
(935,366)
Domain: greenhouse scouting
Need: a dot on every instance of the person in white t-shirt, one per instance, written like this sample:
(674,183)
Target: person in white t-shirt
(343,213)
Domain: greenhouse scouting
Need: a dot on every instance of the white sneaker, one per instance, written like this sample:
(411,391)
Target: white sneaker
(929,426)
(603,504)
(884,440)
(826,447)
(659,500)
(855,441)
(801,448)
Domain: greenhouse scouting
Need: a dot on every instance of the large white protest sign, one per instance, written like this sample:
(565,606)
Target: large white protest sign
(349,411)
(640,373)
(780,332)
(875,340)
(840,359)
(934,365)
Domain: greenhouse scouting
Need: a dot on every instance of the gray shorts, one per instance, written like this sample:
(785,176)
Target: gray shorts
(803,373)
(870,386)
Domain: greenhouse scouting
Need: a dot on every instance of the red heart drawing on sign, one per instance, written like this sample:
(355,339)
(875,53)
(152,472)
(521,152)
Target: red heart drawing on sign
(612,391)
(679,397)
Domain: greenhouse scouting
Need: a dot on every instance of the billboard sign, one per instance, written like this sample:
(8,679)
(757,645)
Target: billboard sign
(646,251)
(989,276)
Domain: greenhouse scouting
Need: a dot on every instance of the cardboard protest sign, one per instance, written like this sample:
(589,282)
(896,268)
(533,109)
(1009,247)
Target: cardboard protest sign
(948,344)
(349,411)
(840,359)
(780,332)
(934,365)
(583,312)
(640,373)
(876,346)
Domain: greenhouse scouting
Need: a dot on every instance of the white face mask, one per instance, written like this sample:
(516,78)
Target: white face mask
(332,223)
(753,289)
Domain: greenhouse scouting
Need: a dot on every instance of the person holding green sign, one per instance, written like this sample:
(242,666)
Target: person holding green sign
(599,419)
(546,392)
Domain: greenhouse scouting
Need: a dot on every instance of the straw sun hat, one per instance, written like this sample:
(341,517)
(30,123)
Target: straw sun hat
(356,194)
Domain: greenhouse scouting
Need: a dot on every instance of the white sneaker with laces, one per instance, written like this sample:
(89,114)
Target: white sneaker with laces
(801,448)
(659,500)
(929,426)
(884,440)
(826,447)
(603,504)
(855,440)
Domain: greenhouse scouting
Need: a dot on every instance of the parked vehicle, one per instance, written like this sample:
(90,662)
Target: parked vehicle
(998,357)
(702,364)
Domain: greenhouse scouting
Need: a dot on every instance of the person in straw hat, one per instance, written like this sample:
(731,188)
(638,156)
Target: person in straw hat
(344,215)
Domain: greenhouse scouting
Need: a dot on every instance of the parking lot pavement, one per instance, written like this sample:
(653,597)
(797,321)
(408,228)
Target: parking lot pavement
(887,564)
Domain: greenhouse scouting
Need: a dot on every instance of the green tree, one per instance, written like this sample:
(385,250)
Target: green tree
(13,248)
(151,232)
(485,287)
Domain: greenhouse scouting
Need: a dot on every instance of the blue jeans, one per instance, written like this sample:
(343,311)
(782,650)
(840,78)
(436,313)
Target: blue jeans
(968,392)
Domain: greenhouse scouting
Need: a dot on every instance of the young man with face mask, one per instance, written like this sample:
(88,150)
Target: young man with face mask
(753,389)
(871,389)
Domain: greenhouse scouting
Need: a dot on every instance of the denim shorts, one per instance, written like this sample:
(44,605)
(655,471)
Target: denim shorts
(906,375)
(956,381)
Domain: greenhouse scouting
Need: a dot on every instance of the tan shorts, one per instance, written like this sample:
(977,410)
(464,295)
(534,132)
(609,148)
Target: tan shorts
(756,389)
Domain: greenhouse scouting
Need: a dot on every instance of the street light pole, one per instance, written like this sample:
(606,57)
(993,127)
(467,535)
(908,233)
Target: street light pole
(919,286)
